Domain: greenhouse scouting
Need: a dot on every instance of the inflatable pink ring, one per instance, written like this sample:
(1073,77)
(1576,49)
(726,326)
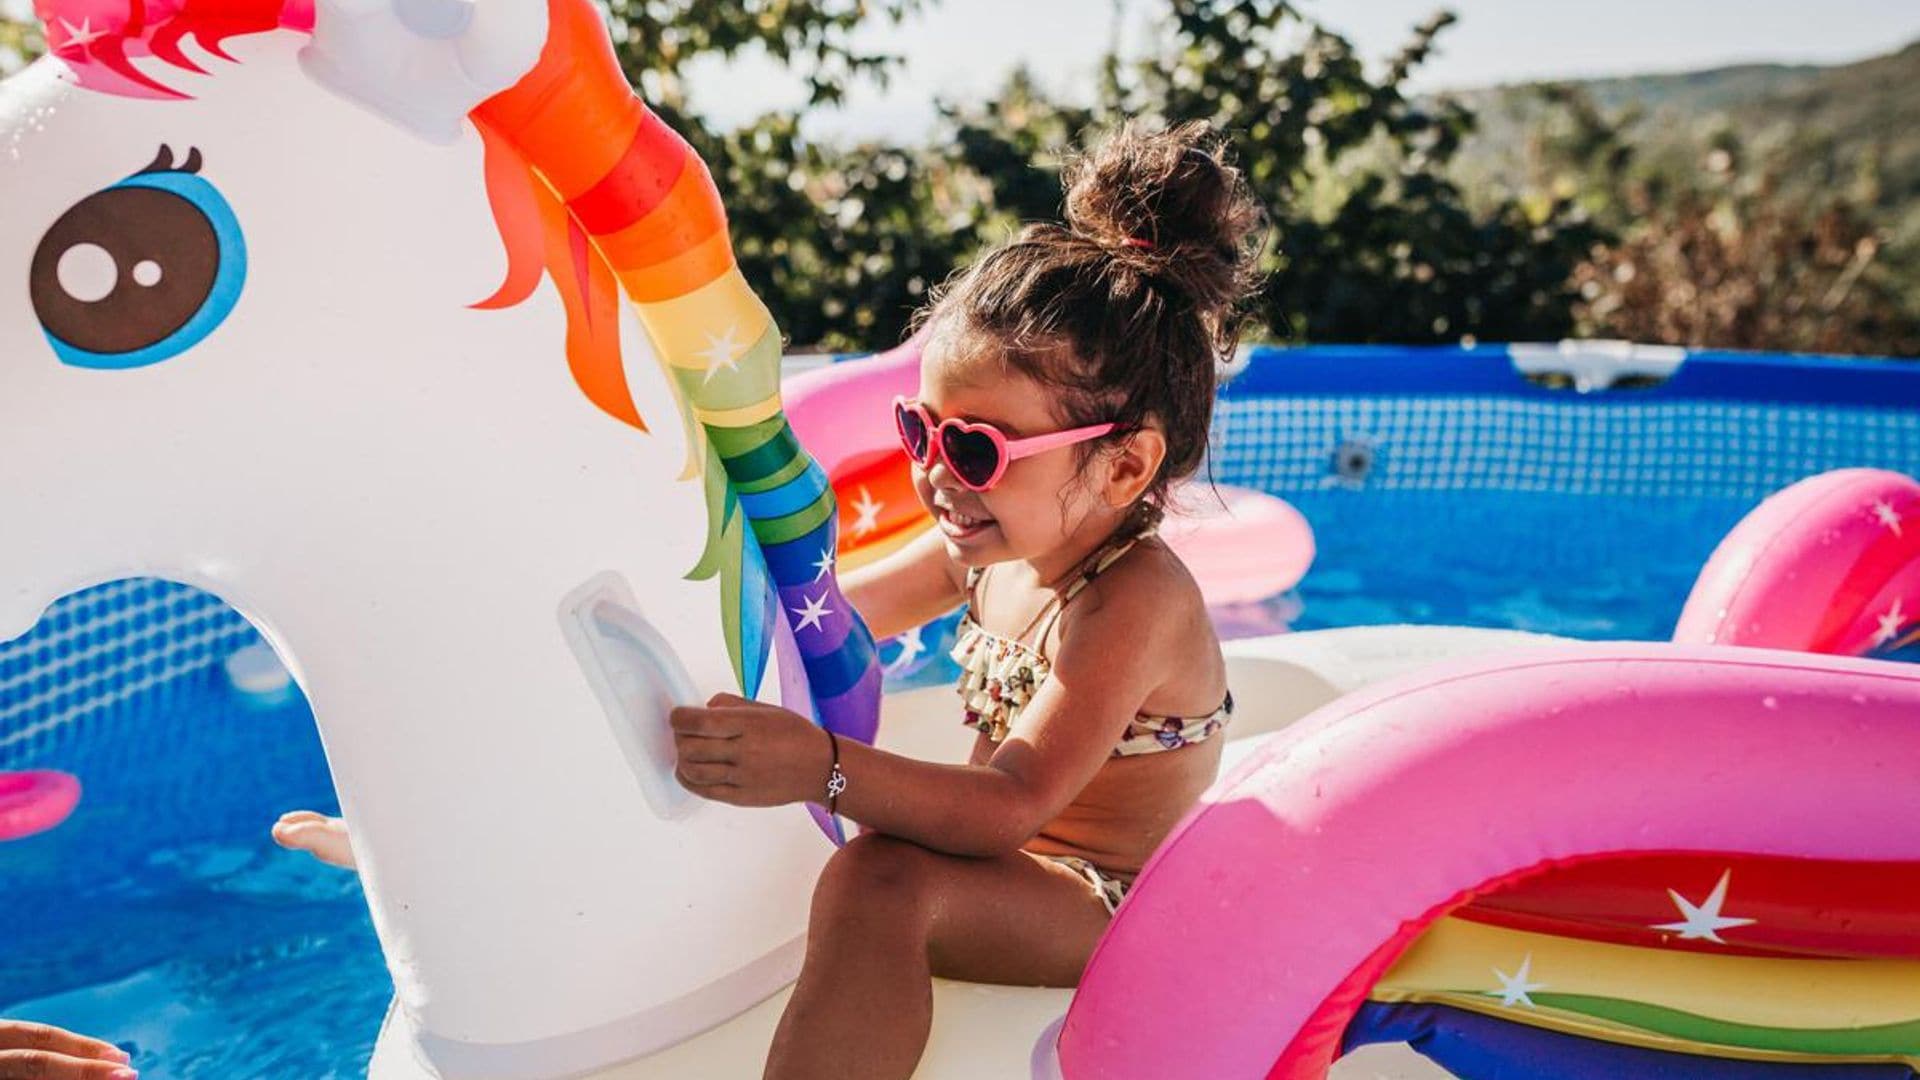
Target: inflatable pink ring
(1280,900)
(1241,546)
(35,801)
(844,410)
(1830,564)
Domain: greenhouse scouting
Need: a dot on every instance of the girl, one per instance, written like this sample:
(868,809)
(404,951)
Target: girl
(1067,381)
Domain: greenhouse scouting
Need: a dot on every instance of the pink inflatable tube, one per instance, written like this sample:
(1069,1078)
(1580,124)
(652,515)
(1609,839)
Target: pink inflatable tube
(843,410)
(35,801)
(1831,564)
(1261,923)
(1242,545)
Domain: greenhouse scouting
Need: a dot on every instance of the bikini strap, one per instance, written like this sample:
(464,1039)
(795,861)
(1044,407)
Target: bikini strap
(1081,580)
(1100,565)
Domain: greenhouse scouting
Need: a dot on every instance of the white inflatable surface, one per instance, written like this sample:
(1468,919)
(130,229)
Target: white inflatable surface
(984,1032)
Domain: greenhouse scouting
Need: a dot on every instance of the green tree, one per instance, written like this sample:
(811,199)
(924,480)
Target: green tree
(20,40)
(1372,240)
(1725,247)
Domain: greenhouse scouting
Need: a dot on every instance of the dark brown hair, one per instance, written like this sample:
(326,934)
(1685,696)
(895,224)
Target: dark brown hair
(1127,308)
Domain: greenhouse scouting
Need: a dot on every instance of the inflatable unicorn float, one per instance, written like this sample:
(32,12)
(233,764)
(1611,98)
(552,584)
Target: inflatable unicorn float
(405,327)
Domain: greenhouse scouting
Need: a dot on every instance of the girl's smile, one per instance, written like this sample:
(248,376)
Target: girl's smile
(958,527)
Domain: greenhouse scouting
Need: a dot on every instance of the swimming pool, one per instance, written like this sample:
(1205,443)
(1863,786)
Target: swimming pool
(1442,487)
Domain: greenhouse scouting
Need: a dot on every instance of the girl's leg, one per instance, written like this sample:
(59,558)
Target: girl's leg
(887,916)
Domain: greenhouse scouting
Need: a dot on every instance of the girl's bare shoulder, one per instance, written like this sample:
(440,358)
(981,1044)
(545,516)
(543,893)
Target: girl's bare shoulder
(1147,599)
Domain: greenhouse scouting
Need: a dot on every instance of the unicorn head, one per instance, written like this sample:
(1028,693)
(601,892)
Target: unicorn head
(381,394)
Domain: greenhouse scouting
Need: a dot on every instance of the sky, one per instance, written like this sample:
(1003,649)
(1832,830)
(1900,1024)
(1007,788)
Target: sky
(962,49)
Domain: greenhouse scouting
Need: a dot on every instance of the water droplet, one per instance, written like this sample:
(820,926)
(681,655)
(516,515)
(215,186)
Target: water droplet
(1770,702)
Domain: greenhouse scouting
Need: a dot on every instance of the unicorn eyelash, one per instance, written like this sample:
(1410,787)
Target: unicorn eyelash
(163,162)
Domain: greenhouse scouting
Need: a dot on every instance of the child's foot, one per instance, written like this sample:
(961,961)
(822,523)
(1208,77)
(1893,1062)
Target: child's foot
(323,837)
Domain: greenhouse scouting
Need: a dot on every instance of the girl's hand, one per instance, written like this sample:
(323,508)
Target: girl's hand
(749,753)
(29,1050)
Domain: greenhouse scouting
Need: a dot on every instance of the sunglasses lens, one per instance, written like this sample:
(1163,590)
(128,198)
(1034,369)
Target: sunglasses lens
(972,455)
(913,432)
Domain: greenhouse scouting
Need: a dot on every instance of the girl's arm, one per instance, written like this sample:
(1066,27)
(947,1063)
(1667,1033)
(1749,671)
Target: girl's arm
(753,754)
(907,588)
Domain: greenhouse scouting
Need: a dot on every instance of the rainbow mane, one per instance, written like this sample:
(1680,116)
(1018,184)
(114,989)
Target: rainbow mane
(98,39)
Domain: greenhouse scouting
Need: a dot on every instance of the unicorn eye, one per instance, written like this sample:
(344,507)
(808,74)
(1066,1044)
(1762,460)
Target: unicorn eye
(141,271)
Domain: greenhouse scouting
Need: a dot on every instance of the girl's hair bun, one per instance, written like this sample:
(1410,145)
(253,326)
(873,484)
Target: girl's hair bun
(1128,309)
(1172,204)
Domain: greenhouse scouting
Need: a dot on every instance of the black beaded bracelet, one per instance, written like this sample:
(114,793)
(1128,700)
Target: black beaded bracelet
(836,780)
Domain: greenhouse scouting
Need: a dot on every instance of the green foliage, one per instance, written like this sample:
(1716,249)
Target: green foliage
(1730,248)
(20,41)
(842,244)
(1756,207)
(656,39)
(1372,240)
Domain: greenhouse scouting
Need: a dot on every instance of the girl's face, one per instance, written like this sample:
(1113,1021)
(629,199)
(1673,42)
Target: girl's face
(1041,502)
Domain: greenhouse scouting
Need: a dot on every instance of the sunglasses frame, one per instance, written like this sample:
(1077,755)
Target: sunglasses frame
(1008,450)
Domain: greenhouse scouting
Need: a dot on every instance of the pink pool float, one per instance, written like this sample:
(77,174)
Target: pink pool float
(1626,859)
(35,801)
(1242,545)
(1830,564)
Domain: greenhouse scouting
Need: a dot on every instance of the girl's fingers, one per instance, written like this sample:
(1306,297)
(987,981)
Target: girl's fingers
(700,774)
(709,723)
(47,1065)
(724,699)
(27,1036)
(721,792)
(697,748)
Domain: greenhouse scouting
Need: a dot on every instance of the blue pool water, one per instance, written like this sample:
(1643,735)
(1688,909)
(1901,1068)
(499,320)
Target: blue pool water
(163,918)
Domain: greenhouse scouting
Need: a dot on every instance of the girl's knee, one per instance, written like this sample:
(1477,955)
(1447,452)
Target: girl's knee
(874,871)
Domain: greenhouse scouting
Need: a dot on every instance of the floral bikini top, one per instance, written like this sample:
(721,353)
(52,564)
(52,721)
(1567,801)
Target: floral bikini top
(999,675)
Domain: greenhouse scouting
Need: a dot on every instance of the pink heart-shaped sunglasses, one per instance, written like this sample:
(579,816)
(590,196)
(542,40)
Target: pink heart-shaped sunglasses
(978,454)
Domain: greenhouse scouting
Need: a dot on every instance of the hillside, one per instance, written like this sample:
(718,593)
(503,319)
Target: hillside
(1852,128)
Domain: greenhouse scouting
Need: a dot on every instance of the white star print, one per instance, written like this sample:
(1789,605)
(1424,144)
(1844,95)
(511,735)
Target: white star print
(910,647)
(79,37)
(810,615)
(720,353)
(868,512)
(1890,624)
(823,564)
(1515,988)
(1884,512)
(1703,921)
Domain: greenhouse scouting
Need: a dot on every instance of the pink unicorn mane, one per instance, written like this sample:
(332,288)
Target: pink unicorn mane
(99,39)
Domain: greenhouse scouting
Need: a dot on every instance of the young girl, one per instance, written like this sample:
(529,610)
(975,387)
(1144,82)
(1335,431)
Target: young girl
(1067,382)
